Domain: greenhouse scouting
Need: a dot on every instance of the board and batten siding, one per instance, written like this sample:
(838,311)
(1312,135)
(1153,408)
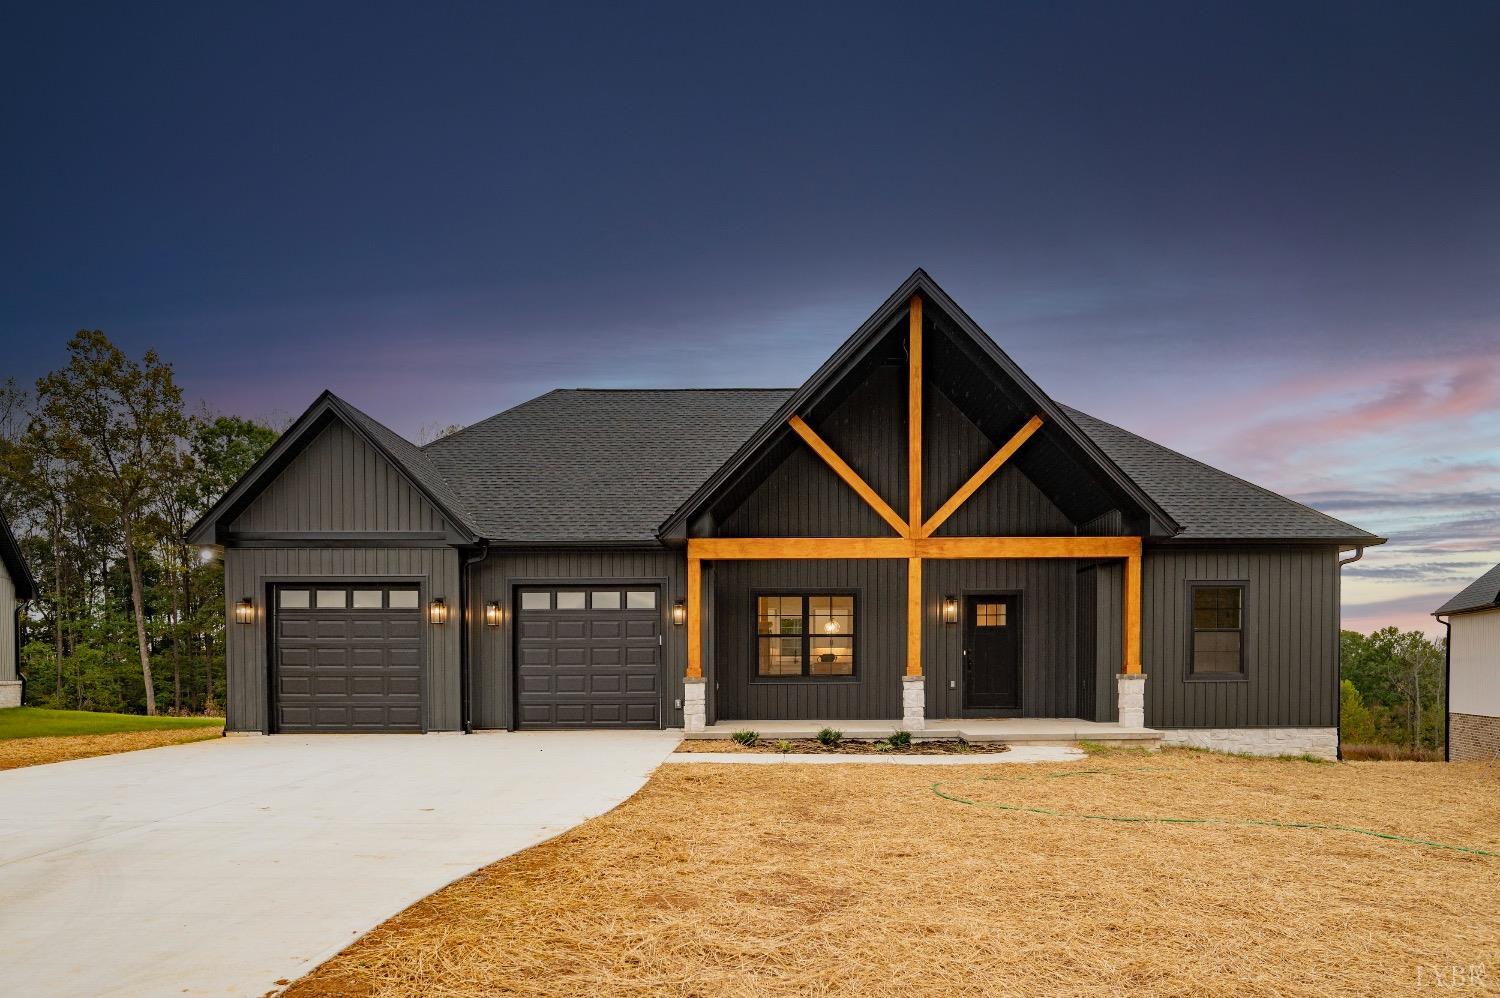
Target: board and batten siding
(252,571)
(1291,618)
(340,483)
(8,635)
(502,572)
(1046,589)
(1100,615)
(879,587)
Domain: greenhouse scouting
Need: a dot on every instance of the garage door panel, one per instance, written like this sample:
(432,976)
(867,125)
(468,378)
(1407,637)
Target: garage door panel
(585,658)
(350,669)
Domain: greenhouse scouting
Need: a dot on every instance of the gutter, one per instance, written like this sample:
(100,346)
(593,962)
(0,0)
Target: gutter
(465,672)
(1338,682)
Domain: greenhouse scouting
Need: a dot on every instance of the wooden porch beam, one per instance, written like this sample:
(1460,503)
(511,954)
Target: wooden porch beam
(777,548)
(980,477)
(849,475)
(914,418)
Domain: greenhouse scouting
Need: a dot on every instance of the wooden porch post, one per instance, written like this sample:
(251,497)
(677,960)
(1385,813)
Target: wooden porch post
(694,623)
(914,616)
(1133,614)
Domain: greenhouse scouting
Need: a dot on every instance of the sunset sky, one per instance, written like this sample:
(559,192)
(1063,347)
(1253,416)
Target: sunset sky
(1266,235)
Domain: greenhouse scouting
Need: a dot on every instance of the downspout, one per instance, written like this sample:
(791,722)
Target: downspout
(465,673)
(1447,678)
(1338,681)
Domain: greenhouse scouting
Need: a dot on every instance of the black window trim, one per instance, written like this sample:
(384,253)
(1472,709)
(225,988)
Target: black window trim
(1216,677)
(807,635)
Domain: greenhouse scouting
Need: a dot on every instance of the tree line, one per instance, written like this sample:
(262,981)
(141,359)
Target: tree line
(105,472)
(1392,689)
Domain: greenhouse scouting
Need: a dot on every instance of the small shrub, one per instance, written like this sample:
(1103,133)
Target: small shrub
(830,737)
(899,739)
(783,746)
(746,737)
(883,746)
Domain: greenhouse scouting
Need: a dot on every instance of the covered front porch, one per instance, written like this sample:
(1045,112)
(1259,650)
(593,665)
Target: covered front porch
(1010,730)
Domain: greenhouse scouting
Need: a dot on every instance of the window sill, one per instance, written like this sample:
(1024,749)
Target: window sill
(800,680)
(1237,678)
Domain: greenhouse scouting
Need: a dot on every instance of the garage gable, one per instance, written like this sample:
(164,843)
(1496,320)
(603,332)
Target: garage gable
(337,474)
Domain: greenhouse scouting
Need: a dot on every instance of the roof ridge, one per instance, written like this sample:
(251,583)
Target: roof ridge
(1220,471)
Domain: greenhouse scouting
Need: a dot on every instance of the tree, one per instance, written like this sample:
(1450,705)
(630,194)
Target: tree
(116,425)
(1356,724)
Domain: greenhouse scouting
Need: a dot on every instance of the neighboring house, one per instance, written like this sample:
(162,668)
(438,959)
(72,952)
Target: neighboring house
(1473,619)
(16,586)
(917,533)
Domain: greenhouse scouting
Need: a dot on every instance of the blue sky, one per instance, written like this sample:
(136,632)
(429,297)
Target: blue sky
(1267,235)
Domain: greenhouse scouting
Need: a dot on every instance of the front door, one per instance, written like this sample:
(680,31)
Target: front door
(992,653)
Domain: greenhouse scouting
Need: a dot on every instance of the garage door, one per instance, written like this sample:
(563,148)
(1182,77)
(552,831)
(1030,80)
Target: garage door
(588,657)
(348,658)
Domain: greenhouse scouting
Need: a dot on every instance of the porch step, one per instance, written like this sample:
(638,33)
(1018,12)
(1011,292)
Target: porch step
(1015,731)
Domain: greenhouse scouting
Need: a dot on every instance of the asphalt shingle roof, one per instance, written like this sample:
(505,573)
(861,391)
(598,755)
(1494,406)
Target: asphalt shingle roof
(1481,594)
(1207,503)
(598,465)
(588,464)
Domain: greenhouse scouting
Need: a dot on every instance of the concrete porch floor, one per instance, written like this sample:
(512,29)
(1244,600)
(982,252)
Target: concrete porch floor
(1014,730)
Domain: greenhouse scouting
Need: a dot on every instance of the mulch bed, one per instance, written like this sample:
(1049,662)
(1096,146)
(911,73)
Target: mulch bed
(18,752)
(901,881)
(849,746)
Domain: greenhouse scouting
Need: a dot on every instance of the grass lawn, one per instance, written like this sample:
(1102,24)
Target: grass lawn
(972,880)
(31,736)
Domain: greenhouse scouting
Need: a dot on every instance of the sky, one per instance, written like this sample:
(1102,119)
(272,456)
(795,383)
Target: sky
(1266,235)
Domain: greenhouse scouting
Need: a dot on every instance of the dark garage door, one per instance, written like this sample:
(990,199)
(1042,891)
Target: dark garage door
(588,657)
(348,658)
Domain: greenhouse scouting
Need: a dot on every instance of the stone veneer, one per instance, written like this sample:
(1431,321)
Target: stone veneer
(10,693)
(1130,693)
(1473,738)
(1321,742)
(695,705)
(913,703)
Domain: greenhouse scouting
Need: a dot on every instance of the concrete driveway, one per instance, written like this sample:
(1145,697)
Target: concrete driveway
(222,867)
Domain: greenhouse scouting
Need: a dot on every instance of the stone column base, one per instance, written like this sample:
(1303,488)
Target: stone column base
(1320,742)
(1130,692)
(695,704)
(913,703)
(10,693)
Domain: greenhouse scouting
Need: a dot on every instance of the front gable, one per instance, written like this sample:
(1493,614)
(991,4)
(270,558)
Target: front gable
(974,400)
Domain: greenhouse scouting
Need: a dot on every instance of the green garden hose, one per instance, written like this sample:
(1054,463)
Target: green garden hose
(1253,823)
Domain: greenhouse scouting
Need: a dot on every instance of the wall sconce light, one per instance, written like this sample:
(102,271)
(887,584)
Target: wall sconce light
(679,613)
(950,609)
(438,611)
(492,614)
(244,611)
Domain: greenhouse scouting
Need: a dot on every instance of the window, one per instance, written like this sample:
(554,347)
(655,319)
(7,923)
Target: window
(804,635)
(536,601)
(403,599)
(641,601)
(1218,631)
(605,601)
(567,600)
(294,599)
(368,599)
(989,614)
(332,599)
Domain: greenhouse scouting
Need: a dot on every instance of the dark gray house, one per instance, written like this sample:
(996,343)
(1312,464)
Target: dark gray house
(916,533)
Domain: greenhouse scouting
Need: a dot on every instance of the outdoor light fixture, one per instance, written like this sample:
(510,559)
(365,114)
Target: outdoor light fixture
(679,613)
(438,612)
(950,609)
(492,614)
(244,611)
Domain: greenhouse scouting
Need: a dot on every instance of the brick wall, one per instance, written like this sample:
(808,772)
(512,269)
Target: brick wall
(1473,737)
